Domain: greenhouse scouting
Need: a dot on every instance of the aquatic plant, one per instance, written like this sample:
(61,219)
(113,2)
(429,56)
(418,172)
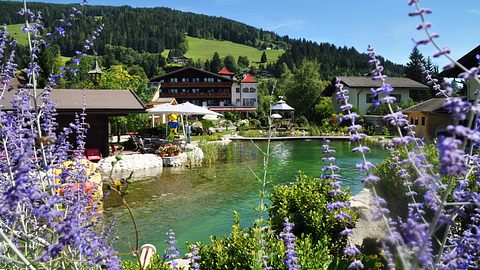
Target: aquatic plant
(211,152)
(47,218)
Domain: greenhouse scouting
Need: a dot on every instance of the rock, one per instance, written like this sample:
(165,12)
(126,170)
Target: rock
(128,163)
(193,156)
(365,226)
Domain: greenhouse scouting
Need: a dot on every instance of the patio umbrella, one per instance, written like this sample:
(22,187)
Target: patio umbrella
(185,108)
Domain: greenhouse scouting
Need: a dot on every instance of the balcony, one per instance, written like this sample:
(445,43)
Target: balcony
(197,95)
(195,84)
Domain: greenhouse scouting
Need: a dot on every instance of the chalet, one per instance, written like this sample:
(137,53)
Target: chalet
(179,60)
(469,61)
(219,92)
(99,106)
(360,95)
(429,118)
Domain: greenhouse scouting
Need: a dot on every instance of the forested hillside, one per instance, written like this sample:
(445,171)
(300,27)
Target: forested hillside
(155,29)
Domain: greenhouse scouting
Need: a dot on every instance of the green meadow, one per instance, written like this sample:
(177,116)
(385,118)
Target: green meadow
(16,33)
(204,49)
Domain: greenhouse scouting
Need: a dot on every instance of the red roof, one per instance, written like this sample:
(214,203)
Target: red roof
(225,71)
(248,79)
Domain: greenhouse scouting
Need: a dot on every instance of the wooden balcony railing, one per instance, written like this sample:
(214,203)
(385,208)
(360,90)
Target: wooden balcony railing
(197,95)
(195,84)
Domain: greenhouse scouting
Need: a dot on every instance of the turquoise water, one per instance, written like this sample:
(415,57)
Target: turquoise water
(199,202)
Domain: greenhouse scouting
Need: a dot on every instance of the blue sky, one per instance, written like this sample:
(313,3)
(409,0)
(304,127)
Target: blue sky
(383,23)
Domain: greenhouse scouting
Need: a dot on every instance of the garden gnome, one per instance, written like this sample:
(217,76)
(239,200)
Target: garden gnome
(173,123)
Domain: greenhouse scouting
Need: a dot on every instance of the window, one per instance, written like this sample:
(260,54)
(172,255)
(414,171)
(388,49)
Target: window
(245,90)
(250,102)
(411,120)
(237,90)
(398,97)
(369,98)
(416,121)
(253,90)
(173,79)
(423,121)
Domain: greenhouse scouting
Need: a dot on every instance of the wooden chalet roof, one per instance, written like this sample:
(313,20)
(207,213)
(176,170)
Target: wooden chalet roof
(368,82)
(469,60)
(183,69)
(431,105)
(107,102)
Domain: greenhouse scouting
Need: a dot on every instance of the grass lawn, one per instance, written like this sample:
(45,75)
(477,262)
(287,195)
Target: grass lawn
(16,33)
(199,48)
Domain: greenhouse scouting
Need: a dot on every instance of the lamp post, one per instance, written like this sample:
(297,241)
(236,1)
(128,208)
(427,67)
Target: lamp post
(95,73)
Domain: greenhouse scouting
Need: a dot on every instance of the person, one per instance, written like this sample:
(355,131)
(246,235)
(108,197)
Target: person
(189,132)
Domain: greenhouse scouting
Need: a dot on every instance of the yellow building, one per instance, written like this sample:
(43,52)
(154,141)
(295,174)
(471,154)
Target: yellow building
(429,117)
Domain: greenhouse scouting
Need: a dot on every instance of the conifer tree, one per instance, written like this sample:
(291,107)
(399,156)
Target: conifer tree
(264,58)
(216,63)
(414,67)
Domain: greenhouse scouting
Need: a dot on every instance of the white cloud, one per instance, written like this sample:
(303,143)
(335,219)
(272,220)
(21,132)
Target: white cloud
(474,11)
(286,24)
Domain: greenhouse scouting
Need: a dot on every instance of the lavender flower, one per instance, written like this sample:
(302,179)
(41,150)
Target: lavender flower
(48,214)
(171,252)
(289,243)
(194,259)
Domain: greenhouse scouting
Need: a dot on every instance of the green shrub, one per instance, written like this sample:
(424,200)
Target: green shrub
(305,204)
(254,123)
(301,121)
(391,186)
(156,263)
(314,130)
(213,137)
(252,133)
(206,124)
(242,250)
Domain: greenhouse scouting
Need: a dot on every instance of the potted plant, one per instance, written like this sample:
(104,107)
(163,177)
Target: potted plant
(161,151)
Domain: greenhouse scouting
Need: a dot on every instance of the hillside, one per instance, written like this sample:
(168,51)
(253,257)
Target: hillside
(204,49)
(16,33)
(154,30)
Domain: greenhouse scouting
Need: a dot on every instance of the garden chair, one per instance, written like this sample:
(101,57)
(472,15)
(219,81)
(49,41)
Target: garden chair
(146,253)
(93,154)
